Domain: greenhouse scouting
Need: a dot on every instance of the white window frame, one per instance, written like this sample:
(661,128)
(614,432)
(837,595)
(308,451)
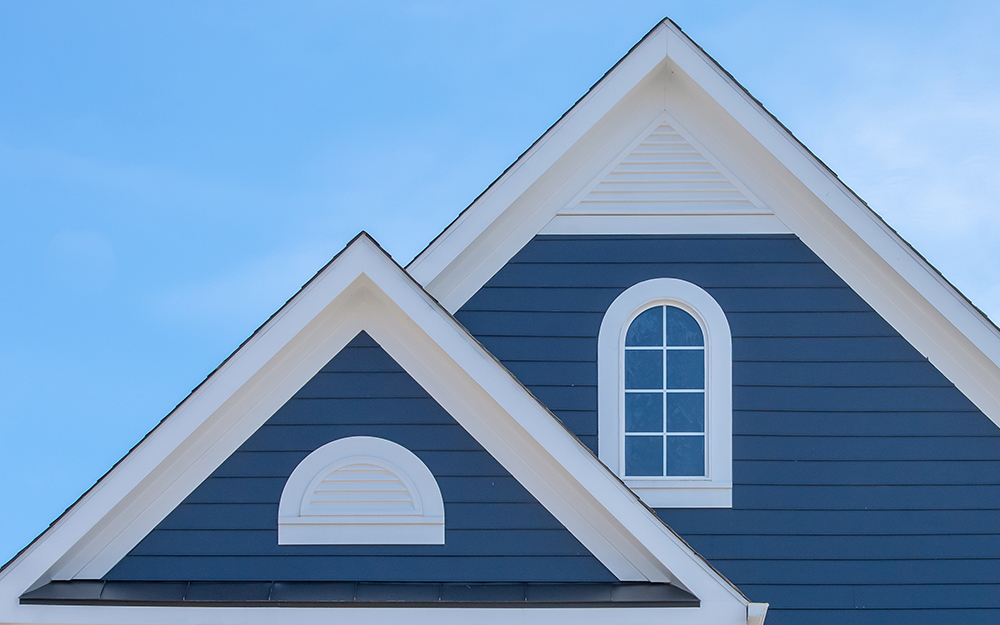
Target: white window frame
(299,525)
(715,490)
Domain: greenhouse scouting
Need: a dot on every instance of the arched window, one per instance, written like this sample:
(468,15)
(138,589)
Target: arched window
(361,491)
(665,394)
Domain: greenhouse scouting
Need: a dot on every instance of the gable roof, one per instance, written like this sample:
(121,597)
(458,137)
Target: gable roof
(361,289)
(667,75)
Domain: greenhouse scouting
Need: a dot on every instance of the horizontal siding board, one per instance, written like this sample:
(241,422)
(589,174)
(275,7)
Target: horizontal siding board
(831,522)
(708,275)
(800,547)
(555,373)
(860,573)
(423,437)
(362,359)
(580,422)
(479,542)
(847,399)
(361,568)
(779,616)
(566,397)
(660,249)
(765,423)
(870,497)
(875,472)
(882,448)
(877,596)
(835,349)
(360,385)
(732,299)
(357,411)
(808,324)
(541,348)
(818,374)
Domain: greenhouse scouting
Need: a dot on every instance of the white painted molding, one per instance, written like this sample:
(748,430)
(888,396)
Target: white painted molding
(716,488)
(756,613)
(665,224)
(141,615)
(361,490)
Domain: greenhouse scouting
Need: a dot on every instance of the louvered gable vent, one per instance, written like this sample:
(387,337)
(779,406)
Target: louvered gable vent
(361,490)
(664,174)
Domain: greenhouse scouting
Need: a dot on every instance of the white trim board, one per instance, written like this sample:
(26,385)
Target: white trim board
(667,71)
(362,289)
(76,615)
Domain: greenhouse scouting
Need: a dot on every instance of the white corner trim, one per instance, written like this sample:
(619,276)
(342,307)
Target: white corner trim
(337,494)
(756,612)
(715,489)
(361,290)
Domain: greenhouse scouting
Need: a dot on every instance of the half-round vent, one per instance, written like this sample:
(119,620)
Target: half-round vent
(361,490)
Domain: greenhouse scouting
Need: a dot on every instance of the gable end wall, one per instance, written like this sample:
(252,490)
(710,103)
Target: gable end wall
(226,530)
(864,481)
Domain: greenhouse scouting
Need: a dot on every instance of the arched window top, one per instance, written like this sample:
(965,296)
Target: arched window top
(665,394)
(361,490)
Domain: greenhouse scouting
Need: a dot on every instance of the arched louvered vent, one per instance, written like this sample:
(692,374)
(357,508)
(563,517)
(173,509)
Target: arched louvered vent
(361,490)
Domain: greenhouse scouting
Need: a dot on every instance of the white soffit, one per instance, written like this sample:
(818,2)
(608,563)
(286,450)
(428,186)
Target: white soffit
(667,76)
(362,289)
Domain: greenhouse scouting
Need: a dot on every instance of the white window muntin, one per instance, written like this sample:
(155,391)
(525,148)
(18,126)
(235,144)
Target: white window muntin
(665,390)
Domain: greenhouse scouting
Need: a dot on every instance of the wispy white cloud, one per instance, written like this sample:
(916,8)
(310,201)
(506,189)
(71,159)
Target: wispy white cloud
(242,297)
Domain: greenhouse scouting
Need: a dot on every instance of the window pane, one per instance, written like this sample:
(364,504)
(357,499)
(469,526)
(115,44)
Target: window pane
(646,329)
(685,455)
(644,369)
(685,412)
(643,412)
(643,455)
(685,369)
(682,329)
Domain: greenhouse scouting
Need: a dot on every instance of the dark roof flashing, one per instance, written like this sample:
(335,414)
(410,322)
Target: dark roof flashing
(361,594)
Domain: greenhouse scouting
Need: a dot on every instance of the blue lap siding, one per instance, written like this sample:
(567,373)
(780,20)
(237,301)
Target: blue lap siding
(867,487)
(495,531)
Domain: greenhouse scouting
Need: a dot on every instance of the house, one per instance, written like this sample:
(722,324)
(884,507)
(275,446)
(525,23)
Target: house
(666,367)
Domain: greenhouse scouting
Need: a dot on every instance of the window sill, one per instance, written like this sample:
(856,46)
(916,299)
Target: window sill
(663,493)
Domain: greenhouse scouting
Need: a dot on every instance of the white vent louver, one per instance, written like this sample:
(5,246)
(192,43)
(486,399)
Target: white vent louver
(664,175)
(360,489)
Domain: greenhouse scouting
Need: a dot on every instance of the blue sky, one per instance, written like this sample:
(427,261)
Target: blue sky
(170,173)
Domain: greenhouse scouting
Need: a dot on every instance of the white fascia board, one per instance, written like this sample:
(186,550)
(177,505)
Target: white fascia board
(362,289)
(449,252)
(75,615)
(861,248)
